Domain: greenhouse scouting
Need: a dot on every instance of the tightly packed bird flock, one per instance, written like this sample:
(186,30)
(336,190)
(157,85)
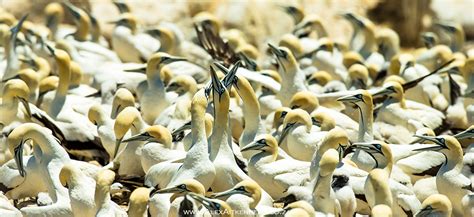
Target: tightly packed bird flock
(165,121)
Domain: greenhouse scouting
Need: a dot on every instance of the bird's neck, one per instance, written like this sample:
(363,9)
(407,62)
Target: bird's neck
(154,78)
(82,30)
(102,194)
(251,110)
(264,157)
(454,161)
(220,139)
(366,120)
(370,45)
(322,186)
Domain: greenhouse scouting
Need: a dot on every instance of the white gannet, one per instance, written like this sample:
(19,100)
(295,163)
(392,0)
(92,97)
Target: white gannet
(129,44)
(293,78)
(179,112)
(449,179)
(158,146)
(130,157)
(399,111)
(301,136)
(154,88)
(81,190)
(244,198)
(275,176)
(377,190)
(48,159)
(6,208)
(324,198)
(105,206)
(436,205)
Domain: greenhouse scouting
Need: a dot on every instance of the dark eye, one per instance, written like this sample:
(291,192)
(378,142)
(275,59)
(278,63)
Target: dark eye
(261,141)
(378,146)
(182,186)
(218,206)
(241,188)
(146,134)
(283,113)
(359,96)
(441,140)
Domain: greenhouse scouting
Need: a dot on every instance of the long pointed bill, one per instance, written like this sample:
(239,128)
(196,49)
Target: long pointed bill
(26,105)
(225,193)
(351,98)
(186,126)
(252,146)
(74,10)
(382,92)
(168,190)
(275,50)
(203,200)
(19,158)
(172,59)
(466,134)
(340,151)
(284,133)
(117,146)
(436,147)
(217,86)
(139,137)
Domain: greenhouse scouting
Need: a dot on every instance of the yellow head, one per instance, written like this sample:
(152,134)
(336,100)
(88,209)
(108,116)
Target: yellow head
(155,133)
(359,76)
(323,120)
(96,114)
(297,117)
(305,100)
(436,205)
(207,18)
(328,162)
(15,88)
(265,143)
(320,77)
(182,84)
(123,98)
(105,177)
(48,84)
(293,43)
(247,187)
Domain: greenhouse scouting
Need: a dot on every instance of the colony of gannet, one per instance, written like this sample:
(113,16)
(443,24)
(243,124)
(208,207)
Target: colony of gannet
(167,121)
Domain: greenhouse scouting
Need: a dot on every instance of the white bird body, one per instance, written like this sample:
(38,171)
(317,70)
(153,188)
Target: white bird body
(7,209)
(133,47)
(81,190)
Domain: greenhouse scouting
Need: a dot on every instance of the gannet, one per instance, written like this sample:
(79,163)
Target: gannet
(158,146)
(293,78)
(449,179)
(138,205)
(129,158)
(105,206)
(49,157)
(436,205)
(275,176)
(81,190)
(179,112)
(11,56)
(154,88)
(324,198)
(179,200)
(129,44)
(54,14)
(244,198)
(301,136)
(398,111)
(456,32)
